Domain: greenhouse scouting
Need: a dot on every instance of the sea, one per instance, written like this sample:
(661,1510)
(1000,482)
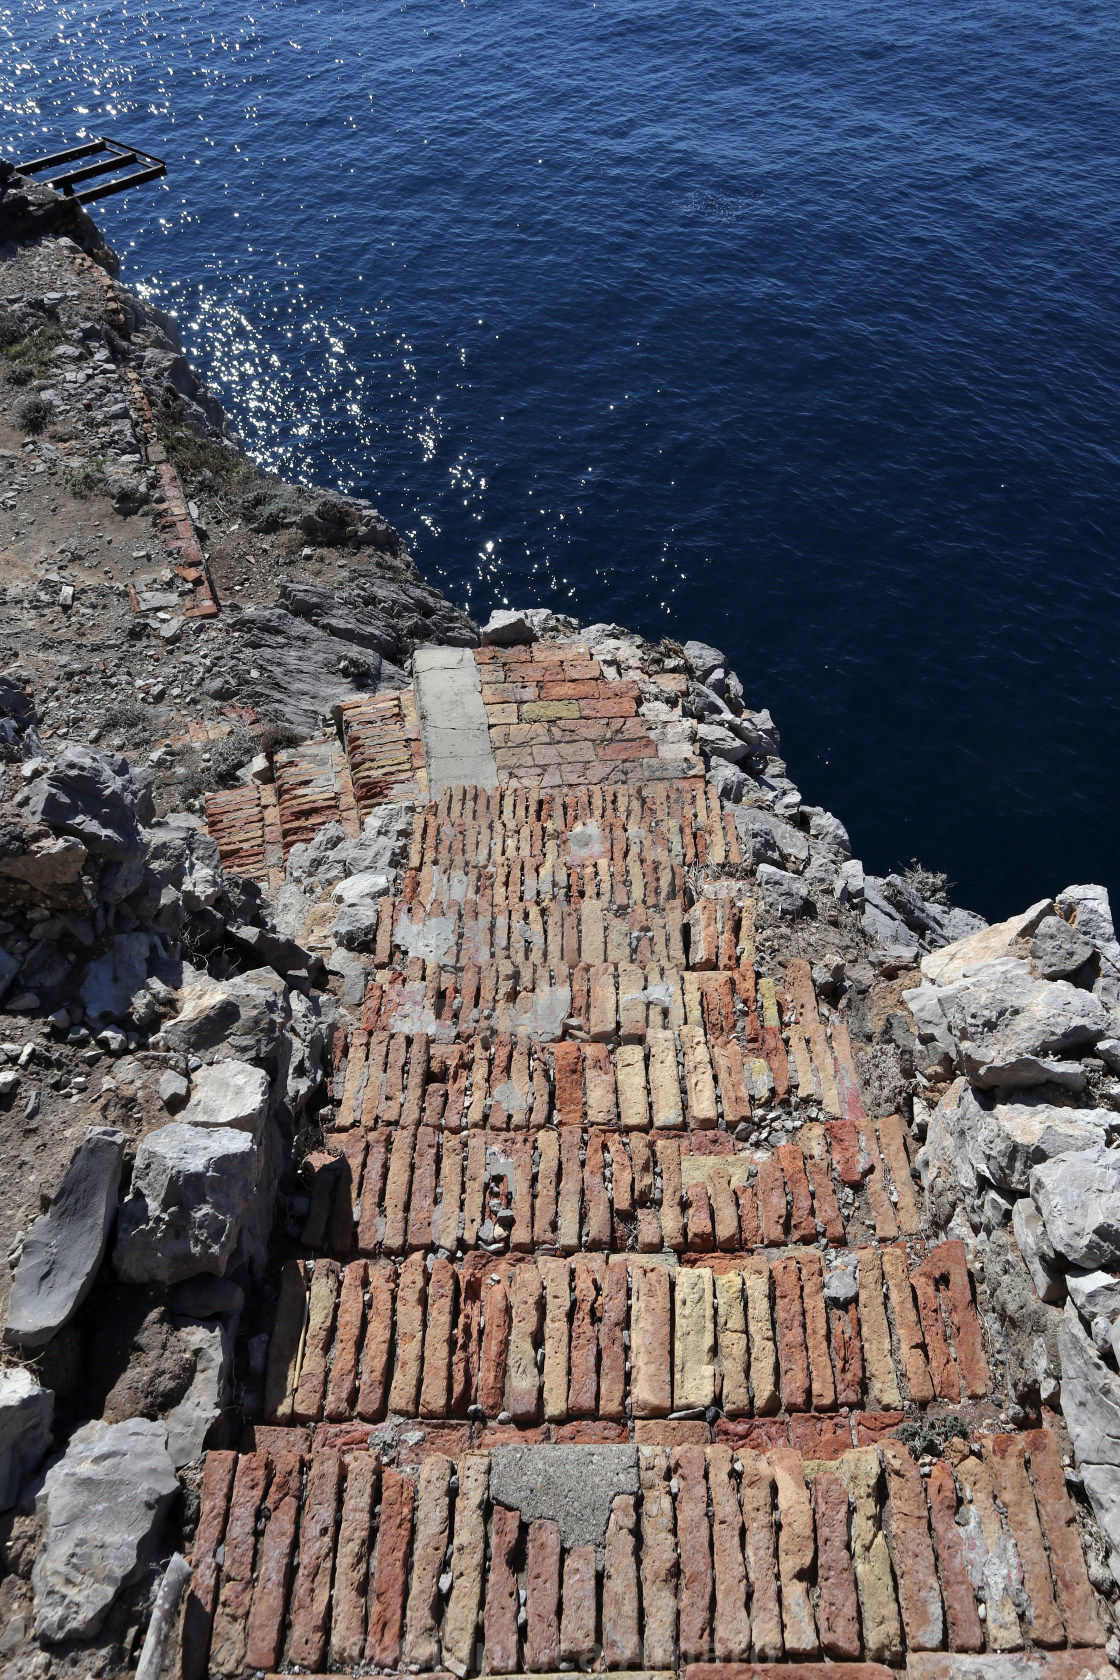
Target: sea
(794,328)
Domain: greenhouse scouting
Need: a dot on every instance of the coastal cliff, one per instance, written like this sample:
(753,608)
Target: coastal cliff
(490,1178)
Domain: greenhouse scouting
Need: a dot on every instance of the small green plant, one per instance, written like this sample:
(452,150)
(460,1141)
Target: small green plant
(926,1437)
(87,479)
(193,456)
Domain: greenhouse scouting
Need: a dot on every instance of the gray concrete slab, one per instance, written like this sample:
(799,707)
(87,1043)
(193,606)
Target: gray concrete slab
(453,726)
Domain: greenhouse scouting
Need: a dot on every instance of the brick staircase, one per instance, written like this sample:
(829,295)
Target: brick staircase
(609,1301)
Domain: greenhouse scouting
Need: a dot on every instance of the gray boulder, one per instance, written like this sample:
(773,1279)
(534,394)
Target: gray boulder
(26,1411)
(782,892)
(97,798)
(827,834)
(508,628)
(1078,1197)
(206,1297)
(64,1249)
(1037,1251)
(185,859)
(1091,1408)
(703,660)
(1094,1294)
(192,1190)
(106,1503)
(1058,949)
(1006,1140)
(728,780)
(231,1094)
(1000,1014)
(239,1019)
(720,742)
(756,835)
(1088,909)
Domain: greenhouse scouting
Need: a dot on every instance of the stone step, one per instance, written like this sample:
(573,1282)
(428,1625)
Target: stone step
(620,1336)
(647,1559)
(389,1189)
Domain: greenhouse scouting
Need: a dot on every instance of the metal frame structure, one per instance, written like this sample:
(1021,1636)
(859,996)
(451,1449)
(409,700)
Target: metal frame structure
(119,156)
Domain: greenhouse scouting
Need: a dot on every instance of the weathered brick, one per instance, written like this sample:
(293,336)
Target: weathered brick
(795,1553)
(695,1543)
(757,1484)
(911,1344)
(1005,1454)
(442,1293)
(468,1559)
(650,1343)
(282,1372)
(912,1551)
(694,1342)
(877,1361)
(771,1190)
(763,1360)
(265,1631)
(542,1598)
(500,1615)
(495,1349)
(1067,1560)
(837,1610)
(789,1321)
(816,1332)
(578,1617)
(307,1406)
(311,1601)
(965,1630)
(404,1394)
(390,1576)
(351,1570)
(557,1289)
(731,1625)
(202,1593)
(621,1640)
(659,1568)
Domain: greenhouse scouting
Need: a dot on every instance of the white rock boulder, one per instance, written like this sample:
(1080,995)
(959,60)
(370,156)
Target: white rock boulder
(229,1094)
(1078,1197)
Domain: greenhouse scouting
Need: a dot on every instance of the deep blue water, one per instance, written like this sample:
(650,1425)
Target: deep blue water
(794,327)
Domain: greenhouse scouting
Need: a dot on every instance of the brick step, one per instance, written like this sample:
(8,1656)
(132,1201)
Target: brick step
(313,788)
(672,1082)
(482,925)
(669,823)
(546,1340)
(382,741)
(390,1189)
(636,1558)
(244,824)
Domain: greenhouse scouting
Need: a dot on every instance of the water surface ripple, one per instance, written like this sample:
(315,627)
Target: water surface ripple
(792,327)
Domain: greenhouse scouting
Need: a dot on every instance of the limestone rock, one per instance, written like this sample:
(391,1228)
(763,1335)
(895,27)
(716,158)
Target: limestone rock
(1091,1406)
(229,1094)
(987,944)
(239,1019)
(106,1502)
(1094,1294)
(192,1189)
(1059,950)
(507,628)
(1006,1140)
(1000,1014)
(1078,1197)
(1037,1251)
(703,660)
(26,1411)
(783,892)
(718,742)
(65,1248)
(185,859)
(47,865)
(97,798)
(190,1422)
